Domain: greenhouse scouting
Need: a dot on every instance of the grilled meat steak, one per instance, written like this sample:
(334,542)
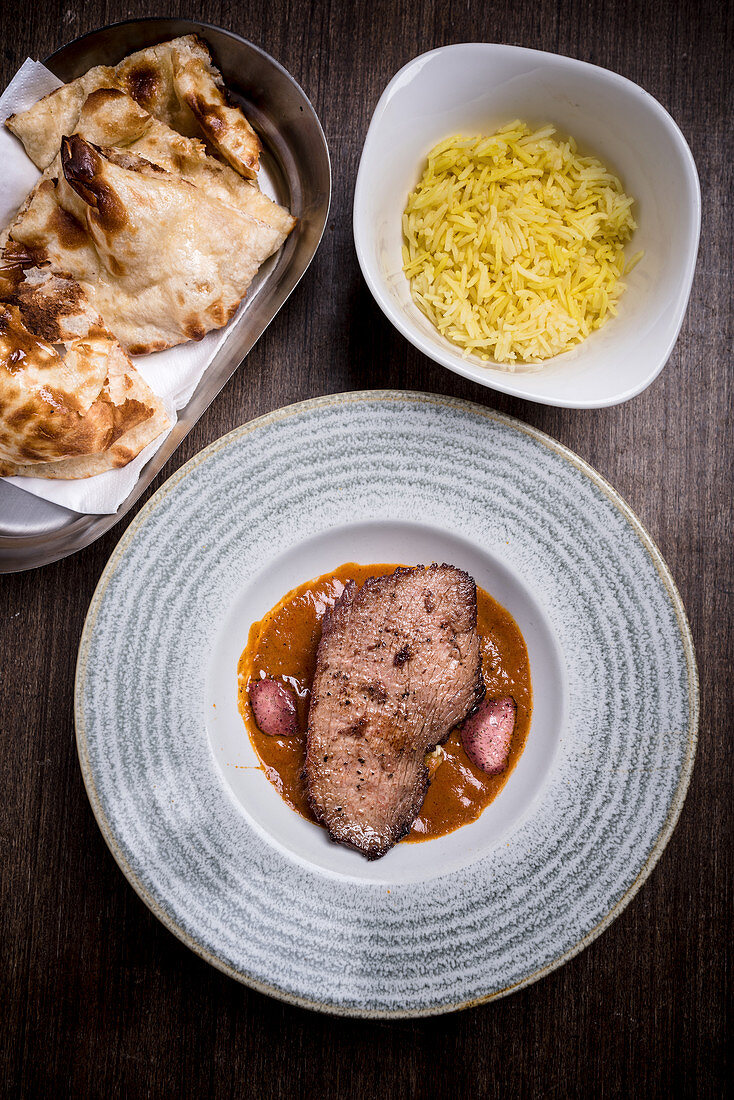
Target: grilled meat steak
(399,665)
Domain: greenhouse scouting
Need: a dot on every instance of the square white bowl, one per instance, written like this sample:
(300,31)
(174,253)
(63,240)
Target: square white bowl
(475,87)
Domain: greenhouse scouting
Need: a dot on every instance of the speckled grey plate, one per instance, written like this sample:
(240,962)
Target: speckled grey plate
(202,835)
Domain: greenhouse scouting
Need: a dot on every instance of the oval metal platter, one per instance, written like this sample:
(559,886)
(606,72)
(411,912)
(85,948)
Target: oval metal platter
(295,160)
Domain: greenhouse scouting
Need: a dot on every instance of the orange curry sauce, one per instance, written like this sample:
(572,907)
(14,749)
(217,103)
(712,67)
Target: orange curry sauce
(283,645)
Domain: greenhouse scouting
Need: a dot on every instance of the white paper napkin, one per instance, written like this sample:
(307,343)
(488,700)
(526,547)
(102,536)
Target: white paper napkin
(173,374)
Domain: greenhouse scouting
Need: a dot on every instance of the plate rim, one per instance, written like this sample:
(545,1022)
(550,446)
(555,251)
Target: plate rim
(442,400)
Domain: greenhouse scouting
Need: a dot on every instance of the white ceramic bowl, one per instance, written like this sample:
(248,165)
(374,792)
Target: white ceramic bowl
(474,88)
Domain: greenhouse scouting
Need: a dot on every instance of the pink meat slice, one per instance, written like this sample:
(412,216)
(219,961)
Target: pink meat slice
(274,708)
(399,665)
(487,734)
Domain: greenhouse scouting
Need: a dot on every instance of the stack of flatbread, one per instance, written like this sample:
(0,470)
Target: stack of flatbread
(144,231)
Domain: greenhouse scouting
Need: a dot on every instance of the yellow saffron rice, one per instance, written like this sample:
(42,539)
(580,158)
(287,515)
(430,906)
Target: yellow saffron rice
(514,244)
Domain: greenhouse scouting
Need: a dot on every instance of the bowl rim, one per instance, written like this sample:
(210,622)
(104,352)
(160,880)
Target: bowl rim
(505,382)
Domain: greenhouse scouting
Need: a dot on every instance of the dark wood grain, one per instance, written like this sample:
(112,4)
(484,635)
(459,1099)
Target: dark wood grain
(96,997)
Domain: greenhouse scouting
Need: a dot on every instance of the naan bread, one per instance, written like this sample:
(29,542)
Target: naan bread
(161,261)
(176,82)
(111,118)
(71,414)
(195,80)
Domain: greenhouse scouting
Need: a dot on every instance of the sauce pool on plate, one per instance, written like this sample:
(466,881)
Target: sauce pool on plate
(283,646)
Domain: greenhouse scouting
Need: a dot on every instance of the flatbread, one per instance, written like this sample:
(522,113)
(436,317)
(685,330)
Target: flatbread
(160,260)
(73,412)
(111,118)
(195,81)
(176,82)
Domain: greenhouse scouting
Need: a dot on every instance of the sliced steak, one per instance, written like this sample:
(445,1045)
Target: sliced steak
(399,665)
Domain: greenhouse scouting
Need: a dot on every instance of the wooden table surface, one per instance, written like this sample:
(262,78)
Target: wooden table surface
(97,998)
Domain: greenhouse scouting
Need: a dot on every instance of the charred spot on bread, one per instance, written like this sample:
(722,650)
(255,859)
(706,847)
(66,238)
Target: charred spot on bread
(127,415)
(102,96)
(42,314)
(207,116)
(142,82)
(83,165)
(63,225)
(193,328)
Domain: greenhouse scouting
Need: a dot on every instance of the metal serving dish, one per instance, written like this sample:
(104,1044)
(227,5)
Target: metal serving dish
(295,163)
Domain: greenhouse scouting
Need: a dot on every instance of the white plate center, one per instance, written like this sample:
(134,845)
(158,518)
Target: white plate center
(409,544)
